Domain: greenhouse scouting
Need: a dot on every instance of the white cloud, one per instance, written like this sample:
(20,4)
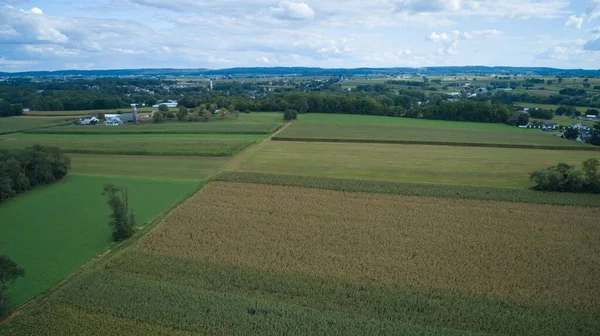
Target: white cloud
(450,41)
(574,22)
(595,30)
(486,8)
(593,9)
(264,60)
(428,6)
(36,10)
(288,10)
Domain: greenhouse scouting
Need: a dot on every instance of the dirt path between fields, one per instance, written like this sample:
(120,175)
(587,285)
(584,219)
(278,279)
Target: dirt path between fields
(235,161)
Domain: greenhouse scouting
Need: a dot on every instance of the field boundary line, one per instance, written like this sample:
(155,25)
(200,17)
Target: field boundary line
(436,143)
(465,192)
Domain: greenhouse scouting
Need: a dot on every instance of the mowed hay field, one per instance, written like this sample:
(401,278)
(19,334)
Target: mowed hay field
(500,167)
(255,259)
(23,123)
(143,144)
(403,130)
(222,127)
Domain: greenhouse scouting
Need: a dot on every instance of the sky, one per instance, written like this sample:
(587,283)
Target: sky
(216,34)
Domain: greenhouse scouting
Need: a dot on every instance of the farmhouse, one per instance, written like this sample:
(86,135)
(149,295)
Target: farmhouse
(591,116)
(88,120)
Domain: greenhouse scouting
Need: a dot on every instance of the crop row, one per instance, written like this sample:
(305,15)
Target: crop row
(469,135)
(425,244)
(140,294)
(170,147)
(414,189)
(179,128)
(575,146)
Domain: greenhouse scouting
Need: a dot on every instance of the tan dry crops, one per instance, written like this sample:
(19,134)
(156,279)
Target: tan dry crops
(521,252)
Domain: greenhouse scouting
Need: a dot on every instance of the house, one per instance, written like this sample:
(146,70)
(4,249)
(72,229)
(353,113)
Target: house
(483,90)
(524,110)
(88,120)
(455,94)
(113,122)
(472,95)
(591,116)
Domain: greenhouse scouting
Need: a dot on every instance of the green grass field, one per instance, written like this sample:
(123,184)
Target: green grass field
(226,127)
(405,163)
(186,168)
(386,129)
(22,123)
(53,230)
(145,144)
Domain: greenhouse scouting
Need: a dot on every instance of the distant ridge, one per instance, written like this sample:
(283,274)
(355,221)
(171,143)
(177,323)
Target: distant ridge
(307,71)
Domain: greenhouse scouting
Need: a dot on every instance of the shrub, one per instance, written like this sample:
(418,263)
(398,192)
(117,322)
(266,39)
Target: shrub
(289,115)
(158,117)
(565,178)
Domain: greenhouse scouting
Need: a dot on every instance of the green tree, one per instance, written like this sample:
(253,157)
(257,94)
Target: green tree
(9,272)
(206,115)
(163,108)
(182,113)
(590,171)
(223,114)
(122,218)
(289,115)
(562,178)
(158,117)
(571,133)
(595,140)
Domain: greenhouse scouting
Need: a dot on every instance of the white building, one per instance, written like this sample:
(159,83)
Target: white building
(169,103)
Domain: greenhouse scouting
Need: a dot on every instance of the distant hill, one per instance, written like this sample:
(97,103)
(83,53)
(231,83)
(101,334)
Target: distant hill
(305,71)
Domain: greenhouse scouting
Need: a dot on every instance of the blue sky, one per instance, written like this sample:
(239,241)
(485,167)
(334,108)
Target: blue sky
(109,34)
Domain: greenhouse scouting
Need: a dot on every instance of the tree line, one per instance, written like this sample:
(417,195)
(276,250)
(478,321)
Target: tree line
(31,167)
(566,178)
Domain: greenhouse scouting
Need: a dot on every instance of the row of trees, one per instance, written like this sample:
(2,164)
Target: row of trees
(26,169)
(9,110)
(565,178)
(407,103)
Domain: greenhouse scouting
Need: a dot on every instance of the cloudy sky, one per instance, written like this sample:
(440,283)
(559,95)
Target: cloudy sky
(108,34)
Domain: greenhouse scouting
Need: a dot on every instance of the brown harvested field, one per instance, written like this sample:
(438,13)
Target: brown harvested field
(524,253)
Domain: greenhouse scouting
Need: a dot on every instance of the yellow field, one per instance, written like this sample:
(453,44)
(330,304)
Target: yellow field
(526,254)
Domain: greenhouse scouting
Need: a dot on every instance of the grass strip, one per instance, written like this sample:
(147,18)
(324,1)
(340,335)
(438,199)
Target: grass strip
(415,189)
(436,143)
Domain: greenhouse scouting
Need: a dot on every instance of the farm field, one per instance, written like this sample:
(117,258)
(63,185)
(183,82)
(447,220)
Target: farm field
(503,194)
(80,113)
(22,123)
(431,132)
(170,145)
(308,261)
(167,128)
(185,168)
(566,121)
(550,106)
(53,230)
(501,167)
